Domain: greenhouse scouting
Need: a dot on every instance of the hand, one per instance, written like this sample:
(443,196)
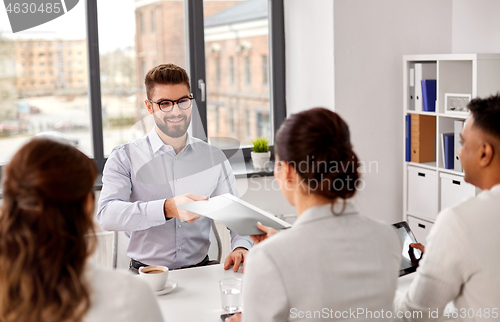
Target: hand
(171,210)
(414,260)
(236,257)
(268,233)
(235,318)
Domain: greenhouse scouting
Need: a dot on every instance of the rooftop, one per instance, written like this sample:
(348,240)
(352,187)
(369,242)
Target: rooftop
(245,11)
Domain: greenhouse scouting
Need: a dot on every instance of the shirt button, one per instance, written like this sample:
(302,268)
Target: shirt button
(180,248)
(157,222)
(138,227)
(177,180)
(180,226)
(176,158)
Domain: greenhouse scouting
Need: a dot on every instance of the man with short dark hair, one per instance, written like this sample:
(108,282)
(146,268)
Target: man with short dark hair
(144,180)
(462,260)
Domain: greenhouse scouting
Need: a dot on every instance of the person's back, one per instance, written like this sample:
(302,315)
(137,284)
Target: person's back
(120,296)
(326,266)
(46,236)
(333,263)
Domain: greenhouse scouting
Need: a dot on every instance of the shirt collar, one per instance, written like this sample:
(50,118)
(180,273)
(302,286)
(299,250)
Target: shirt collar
(324,211)
(157,143)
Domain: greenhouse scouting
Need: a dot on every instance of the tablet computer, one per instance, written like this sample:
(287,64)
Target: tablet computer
(411,256)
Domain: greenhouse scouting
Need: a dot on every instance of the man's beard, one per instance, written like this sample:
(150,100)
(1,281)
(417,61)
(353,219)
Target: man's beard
(170,129)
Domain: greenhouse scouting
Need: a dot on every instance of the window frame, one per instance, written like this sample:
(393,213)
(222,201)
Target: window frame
(196,62)
(276,61)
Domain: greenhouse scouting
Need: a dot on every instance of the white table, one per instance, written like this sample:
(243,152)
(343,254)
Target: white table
(197,298)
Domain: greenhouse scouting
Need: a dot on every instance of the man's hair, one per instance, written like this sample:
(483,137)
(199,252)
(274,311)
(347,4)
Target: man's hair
(165,74)
(486,113)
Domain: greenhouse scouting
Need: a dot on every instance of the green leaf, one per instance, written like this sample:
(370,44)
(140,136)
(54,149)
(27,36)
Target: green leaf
(260,145)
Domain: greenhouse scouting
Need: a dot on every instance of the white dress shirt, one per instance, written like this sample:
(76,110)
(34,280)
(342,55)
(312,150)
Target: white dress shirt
(324,264)
(137,179)
(120,296)
(461,263)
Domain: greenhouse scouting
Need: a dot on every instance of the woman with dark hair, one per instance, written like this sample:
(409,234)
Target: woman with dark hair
(46,236)
(333,261)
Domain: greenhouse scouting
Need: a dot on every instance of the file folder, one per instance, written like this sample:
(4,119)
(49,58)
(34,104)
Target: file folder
(448,145)
(423,138)
(458,126)
(422,71)
(408,138)
(411,87)
(429,94)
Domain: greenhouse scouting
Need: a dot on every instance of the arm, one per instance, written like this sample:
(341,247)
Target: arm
(442,271)
(264,294)
(115,212)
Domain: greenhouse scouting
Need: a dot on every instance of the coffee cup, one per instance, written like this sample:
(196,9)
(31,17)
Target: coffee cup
(155,276)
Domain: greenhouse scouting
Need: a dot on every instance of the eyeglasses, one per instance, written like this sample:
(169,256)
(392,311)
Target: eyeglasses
(168,105)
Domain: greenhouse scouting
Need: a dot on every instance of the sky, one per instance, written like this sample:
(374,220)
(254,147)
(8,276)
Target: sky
(116,21)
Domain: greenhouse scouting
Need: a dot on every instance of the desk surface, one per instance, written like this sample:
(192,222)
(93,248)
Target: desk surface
(197,298)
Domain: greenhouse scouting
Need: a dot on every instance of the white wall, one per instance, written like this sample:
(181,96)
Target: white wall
(476,26)
(309,54)
(371,36)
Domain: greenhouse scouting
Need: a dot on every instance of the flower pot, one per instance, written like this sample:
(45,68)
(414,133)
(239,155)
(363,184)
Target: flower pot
(261,159)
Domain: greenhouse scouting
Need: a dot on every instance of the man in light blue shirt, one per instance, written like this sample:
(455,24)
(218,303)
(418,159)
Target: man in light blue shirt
(144,180)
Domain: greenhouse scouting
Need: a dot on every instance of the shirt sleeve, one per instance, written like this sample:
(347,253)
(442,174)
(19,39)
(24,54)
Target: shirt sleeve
(227,184)
(441,273)
(264,294)
(115,211)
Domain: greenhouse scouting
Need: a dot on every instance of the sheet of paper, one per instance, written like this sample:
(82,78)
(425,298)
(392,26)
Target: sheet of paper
(236,214)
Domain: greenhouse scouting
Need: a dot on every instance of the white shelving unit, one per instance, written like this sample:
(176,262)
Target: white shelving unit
(429,187)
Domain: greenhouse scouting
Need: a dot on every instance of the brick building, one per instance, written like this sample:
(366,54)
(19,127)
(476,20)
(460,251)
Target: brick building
(45,67)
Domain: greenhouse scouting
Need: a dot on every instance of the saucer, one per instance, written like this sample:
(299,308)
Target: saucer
(169,287)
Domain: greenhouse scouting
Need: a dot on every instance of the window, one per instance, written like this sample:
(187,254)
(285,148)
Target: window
(141,23)
(231,70)
(123,59)
(247,123)
(264,70)
(244,51)
(64,110)
(231,121)
(248,75)
(153,20)
(217,70)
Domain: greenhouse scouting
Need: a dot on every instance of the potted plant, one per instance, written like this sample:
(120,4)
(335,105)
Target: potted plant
(260,153)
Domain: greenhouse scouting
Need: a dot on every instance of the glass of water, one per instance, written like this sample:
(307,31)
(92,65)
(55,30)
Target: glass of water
(230,289)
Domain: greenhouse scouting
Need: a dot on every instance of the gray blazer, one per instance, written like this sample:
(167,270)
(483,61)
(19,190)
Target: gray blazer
(324,267)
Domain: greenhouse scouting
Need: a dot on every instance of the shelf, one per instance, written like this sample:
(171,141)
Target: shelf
(457,173)
(453,116)
(421,112)
(425,165)
(422,217)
